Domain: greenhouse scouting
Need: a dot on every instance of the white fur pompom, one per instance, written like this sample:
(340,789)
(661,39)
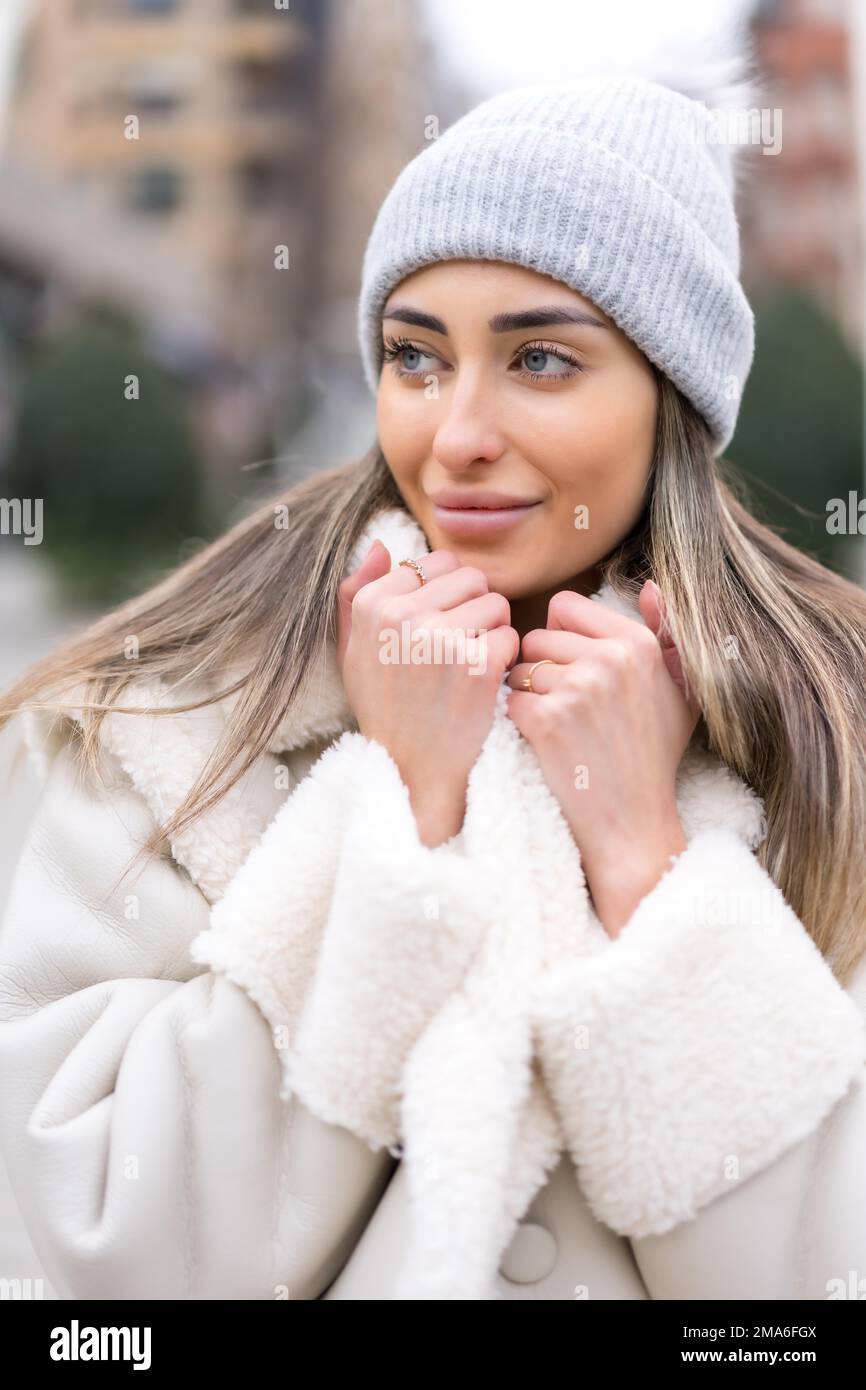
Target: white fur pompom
(721,71)
(714,65)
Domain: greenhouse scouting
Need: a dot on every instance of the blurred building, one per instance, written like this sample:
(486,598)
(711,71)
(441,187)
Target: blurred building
(188,131)
(195,117)
(802,222)
(61,247)
(383,82)
(254,127)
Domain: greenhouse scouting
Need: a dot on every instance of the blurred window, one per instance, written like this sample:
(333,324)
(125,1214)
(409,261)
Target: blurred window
(254,7)
(156,188)
(152,6)
(309,12)
(260,180)
(263,84)
(155,88)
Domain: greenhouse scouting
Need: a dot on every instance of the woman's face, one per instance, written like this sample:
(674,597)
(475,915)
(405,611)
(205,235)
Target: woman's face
(483,390)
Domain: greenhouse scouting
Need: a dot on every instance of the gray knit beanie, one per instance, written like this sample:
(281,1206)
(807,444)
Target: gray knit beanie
(616,185)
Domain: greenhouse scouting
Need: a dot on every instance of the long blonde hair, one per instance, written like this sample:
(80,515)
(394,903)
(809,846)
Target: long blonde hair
(772,642)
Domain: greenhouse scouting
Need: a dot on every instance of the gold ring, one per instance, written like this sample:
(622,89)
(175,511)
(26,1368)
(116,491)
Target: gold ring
(417,568)
(527,679)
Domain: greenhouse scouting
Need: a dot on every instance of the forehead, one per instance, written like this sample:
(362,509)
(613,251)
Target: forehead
(474,284)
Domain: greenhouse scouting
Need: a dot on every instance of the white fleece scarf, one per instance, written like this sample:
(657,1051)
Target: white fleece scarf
(470,1105)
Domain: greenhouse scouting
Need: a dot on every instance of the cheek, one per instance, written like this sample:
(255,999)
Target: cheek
(404,410)
(598,440)
(404,432)
(622,410)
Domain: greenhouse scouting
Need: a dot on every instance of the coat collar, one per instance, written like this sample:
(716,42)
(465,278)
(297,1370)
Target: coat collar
(708,791)
(322,709)
(163,756)
(524,862)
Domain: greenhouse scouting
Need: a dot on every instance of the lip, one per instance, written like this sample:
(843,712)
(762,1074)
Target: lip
(458,499)
(481,521)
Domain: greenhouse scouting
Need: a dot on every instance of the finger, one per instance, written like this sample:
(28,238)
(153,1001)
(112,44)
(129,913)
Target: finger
(555,643)
(576,613)
(652,606)
(380,567)
(671,658)
(404,579)
(520,708)
(446,591)
(375,564)
(652,609)
(482,614)
(503,647)
(544,678)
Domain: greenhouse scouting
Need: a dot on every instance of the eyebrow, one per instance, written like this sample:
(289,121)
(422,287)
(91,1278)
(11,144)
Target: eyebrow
(500,323)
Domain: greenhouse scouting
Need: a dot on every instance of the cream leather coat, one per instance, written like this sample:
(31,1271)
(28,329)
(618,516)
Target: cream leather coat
(306,1056)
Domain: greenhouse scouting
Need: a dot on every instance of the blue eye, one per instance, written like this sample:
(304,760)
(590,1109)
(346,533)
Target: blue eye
(540,350)
(394,349)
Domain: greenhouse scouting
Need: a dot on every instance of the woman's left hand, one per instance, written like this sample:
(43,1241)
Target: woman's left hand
(609,721)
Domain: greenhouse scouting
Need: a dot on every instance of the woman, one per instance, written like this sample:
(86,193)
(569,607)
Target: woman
(524,966)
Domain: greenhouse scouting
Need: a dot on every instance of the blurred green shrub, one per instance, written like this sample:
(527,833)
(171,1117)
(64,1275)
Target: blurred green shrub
(119,478)
(799,438)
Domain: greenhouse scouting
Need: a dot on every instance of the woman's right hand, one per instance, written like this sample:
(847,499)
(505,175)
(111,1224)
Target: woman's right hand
(433,716)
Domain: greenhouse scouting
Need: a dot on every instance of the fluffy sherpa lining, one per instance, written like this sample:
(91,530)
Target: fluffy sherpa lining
(463,1005)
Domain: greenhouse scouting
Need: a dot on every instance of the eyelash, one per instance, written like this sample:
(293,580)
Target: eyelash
(393,347)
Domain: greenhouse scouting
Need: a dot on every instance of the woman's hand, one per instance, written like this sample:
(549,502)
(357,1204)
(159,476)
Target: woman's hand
(609,722)
(425,692)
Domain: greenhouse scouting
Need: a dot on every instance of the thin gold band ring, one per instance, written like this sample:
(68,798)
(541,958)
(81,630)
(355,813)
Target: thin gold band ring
(527,679)
(417,568)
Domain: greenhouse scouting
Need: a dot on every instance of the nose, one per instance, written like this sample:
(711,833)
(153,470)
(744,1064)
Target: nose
(468,430)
